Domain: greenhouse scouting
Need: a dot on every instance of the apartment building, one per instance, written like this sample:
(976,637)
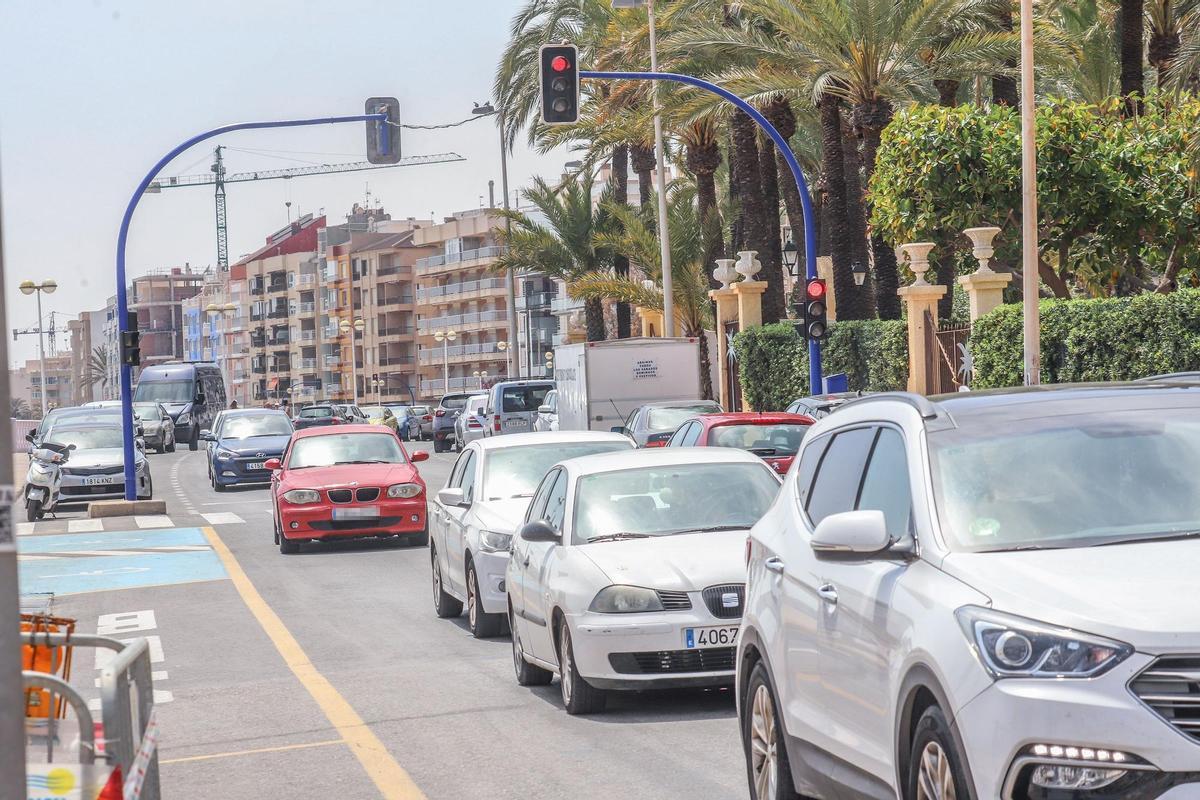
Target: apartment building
(216,329)
(59,382)
(87,333)
(157,298)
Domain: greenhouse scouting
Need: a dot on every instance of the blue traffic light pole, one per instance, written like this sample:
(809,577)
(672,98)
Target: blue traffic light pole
(810,228)
(123,236)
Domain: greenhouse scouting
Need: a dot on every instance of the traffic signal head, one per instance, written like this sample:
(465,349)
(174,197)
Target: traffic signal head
(559,66)
(131,341)
(383,137)
(815,324)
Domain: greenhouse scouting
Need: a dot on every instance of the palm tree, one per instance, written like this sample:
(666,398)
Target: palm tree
(568,244)
(96,368)
(18,408)
(1085,31)
(635,234)
(1133,31)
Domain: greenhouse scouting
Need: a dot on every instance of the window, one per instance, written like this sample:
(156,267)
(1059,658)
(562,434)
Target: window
(537,506)
(693,434)
(456,473)
(885,486)
(468,478)
(556,502)
(677,438)
(835,487)
(808,467)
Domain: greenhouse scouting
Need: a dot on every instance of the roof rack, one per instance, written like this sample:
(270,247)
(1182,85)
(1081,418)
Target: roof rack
(922,404)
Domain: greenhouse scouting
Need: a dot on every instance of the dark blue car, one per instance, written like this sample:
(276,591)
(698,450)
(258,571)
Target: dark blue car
(242,444)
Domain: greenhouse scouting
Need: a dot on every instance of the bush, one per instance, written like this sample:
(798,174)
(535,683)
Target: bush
(1092,340)
(773,360)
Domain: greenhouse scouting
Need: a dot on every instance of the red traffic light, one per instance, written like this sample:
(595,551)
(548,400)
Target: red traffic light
(815,289)
(560,64)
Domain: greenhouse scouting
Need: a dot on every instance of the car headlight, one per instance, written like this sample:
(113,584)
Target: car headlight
(495,541)
(404,490)
(184,418)
(140,466)
(302,496)
(224,455)
(625,600)
(1015,647)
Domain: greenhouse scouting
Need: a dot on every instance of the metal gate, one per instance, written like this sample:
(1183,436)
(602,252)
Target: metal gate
(948,357)
(731,366)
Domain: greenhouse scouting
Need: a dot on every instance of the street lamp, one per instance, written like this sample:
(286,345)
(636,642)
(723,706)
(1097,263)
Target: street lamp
(345,327)
(859,270)
(481,375)
(549,362)
(49,287)
(664,231)
(445,337)
(376,383)
(791,254)
(510,285)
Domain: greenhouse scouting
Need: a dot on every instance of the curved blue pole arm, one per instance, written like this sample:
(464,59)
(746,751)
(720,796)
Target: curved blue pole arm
(123,236)
(810,228)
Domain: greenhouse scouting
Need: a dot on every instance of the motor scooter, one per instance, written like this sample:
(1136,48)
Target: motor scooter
(43,482)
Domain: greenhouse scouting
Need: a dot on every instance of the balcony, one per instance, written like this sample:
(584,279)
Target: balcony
(277,287)
(257,289)
(395,361)
(432,387)
(462,352)
(538,301)
(255,316)
(259,369)
(332,361)
(308,335)
(455,291)
(476,319)
(400,299)
(306,364)
(306,308)
(565,305)
(258,341)
(432,264)
(396,330)
(280,312)
(395,269)
(308,279)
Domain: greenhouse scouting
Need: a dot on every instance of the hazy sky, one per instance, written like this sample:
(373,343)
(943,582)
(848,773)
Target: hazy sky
(93,92)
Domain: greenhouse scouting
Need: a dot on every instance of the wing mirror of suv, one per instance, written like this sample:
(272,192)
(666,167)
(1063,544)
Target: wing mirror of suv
(851,534)
(543,409)
(272,464)
(451,497)
(29,437)
(539,531)
(207,436)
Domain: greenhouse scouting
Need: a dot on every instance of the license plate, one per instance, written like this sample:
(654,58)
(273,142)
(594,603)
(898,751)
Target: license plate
(516,423)
(256,465)
(358,512)
(103,480)
(722,636)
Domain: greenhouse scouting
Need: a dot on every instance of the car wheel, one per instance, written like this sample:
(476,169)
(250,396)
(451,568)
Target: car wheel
(527,674)
(217,487)
(171,446)
(935,767)
(439,446)
(444,605)
(579,696)
(482,624)
(288,546)
(766,755)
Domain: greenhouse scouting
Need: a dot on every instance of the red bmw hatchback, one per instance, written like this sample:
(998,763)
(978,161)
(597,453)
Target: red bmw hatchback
(347,481)
(774,437)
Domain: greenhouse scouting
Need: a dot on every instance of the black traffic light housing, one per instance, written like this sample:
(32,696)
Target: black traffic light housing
(816,326)
(559,68)
(131,341)
(383,138)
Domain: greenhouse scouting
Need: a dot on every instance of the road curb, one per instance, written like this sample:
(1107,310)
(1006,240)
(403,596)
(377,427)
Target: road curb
(126,508)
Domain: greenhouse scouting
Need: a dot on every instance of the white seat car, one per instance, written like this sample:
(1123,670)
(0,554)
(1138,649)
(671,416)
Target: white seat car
(991,595)
(629,571)
(471,423)
(472,520)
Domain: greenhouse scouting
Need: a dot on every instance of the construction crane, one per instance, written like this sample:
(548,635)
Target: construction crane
(217,177)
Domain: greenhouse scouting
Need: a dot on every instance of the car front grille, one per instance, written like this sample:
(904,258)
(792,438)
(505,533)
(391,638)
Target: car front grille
(715,659)
(86,491)
(93,470)
(674,601)
(1171,686)
(356,524)
(367,495)
(725,602)
(340,495)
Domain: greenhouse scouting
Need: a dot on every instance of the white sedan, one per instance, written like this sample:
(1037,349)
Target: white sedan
(472,520)
(629,572)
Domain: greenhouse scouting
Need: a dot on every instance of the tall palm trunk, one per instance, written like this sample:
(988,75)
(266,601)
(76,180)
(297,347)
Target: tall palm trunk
(1004,87)
(947,92)
(703,159)
(642,160)
(837,228)
(773,259)
(1161,52)
(706,387)
(863,301)
(593,313)
(871,117)
(620,193)
(1132,69)
(753,210)
(779,113)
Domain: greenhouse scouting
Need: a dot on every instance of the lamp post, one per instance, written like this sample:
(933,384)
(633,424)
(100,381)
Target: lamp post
(481,375)
(510,283)
(445,337)
(550,362)
(502,346)
(376,384)
(49,287)
(345,326)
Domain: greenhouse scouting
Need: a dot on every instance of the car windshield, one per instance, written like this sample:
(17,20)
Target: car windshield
(316,412)
(779,439)
(147,411)
(523,398)
(671,417)
(420,410)
(1068,481)
(166,391)
(87,439)
(248,427)
(665,500)
(516,471)
(400,411)
(373,412)
(455,401)
(346,448)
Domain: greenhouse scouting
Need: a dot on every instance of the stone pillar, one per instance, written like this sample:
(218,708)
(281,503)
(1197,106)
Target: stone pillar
(825,272)
(749,303)
(727,302)
(652,322)
(919,298)
(985,291)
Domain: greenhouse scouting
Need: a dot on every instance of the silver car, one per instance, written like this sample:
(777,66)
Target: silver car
(96,470)
(158,426)
(471,424)
(420,423)
(657,421)
(513,405)
(546,420)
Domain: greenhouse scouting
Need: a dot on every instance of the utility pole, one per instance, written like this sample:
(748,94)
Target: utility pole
(1031,323)
(664,229)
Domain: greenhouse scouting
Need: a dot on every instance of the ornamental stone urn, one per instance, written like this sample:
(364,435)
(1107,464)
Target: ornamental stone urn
(981,241)
(918,260)
(725,273)
(748,264)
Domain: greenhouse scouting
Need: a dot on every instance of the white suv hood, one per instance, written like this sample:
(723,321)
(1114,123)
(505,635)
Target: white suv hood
(1143,594)
(682,562)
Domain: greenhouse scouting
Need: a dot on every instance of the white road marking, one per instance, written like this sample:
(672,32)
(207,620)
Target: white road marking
(223,518)
(103,656)
(154,521)
(26,557)
(24,528)
(126,622)
(85,525)
(85,574)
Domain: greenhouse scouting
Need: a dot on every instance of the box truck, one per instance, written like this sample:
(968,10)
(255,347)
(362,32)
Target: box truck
(600,383)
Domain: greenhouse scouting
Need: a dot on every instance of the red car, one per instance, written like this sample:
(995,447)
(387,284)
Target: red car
(347,481)
(774,437)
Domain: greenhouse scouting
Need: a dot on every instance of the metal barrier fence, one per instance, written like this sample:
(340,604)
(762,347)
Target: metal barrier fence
(20,427)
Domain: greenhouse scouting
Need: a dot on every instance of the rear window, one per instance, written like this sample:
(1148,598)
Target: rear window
(671,417)
(316,413)
(523,398)
(420,411)
(778,439)
(455,401)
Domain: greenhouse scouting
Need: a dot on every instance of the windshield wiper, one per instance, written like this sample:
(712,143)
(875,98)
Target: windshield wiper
(1161,537)
(368,461)
(616,537)
(709,529)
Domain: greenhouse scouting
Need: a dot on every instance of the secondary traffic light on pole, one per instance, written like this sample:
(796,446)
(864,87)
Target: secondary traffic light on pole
(815,299)
(383,136)
(560,83)
(131,341)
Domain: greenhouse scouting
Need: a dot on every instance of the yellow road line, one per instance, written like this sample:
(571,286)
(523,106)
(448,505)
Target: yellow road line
(256,751)
(393,782)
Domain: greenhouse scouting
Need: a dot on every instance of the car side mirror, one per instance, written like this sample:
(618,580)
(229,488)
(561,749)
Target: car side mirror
(272,464)
(452,497)
(545,410)
(29,437)
(207,436)
(539,531)
(70,447)
(420,455)
(618,429)
(851,534)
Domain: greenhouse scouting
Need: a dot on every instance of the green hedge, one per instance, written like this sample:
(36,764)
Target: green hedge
(773,360)
(1109,339)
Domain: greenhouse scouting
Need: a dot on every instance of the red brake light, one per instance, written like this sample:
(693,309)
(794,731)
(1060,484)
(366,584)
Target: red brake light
(496,422)
(658,443)
(560,64)
(816,290)
(335,421)
(439,413)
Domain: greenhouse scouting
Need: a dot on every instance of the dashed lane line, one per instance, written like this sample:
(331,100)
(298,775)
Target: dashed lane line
(153,521)
(85,525)
(223,518)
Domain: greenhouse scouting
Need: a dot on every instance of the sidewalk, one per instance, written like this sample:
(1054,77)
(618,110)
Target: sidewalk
(20,468)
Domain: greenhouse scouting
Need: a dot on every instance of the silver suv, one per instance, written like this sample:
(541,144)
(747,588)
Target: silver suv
(986,595)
